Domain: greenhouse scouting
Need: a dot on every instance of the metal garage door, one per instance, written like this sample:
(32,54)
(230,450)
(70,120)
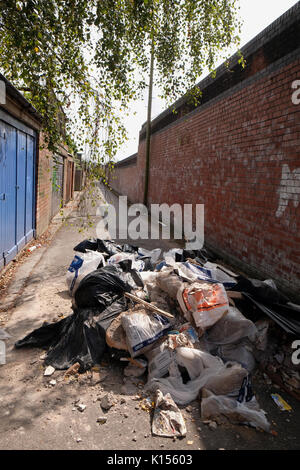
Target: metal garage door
(17,186)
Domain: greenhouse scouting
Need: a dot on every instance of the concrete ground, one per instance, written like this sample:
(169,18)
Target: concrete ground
(37,415)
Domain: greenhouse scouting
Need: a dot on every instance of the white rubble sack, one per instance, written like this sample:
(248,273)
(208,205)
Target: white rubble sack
(204,370)
(142,329)
(207,302)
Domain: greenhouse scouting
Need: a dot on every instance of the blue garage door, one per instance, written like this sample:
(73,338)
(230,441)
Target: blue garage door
(17,186)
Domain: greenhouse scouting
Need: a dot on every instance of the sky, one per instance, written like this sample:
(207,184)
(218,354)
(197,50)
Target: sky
(256,15)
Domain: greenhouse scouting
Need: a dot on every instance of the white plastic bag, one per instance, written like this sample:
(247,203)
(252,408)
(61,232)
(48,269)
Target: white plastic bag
(148,277)
(118,257)
(227,381)
(219,275)
(139,265)
(154,255)
(157,296)
(192,272)
(195,361)
(82,264)
(170,256)
(214,407)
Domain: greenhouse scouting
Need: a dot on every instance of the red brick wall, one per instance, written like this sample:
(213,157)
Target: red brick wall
(44,188)
(126,180)
(231,156)
(239,155)
(44,185)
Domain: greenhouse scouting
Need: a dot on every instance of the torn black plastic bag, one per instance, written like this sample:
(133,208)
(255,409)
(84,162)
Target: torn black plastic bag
(260,291)
(77,338)
(103,246)
(129,248)
(201,256)
(97,288)
(44,336)
(91,244)
(85,341)
(126,266)
(285,316)
(271,302)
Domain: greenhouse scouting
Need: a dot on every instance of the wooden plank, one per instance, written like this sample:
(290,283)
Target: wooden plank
(147,305)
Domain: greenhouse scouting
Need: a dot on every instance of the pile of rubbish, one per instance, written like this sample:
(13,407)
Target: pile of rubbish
(175,316)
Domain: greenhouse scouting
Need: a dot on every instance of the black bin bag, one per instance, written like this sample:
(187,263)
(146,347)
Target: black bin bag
(101,287)
(79,337)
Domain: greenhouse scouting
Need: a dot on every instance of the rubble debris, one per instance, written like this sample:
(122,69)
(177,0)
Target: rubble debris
(102,419)
(167,419)
(73,370)
(181,318)
(280,402)
(212,425)
(49,371)
(115,334)
(80,407)
(147,404)
(128,388)
(34,247)
(107,402)
(134,371)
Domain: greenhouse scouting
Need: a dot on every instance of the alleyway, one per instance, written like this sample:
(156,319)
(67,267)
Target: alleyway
(37,415)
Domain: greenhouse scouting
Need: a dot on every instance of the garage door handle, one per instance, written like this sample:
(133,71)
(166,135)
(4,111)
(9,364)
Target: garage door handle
(2,197)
